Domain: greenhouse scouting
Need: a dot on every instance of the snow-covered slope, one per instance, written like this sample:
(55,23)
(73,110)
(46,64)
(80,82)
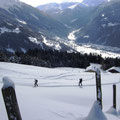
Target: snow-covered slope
(58,96)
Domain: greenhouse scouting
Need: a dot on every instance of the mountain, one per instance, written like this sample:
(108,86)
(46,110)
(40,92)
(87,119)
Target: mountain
(104,28)
(89,23)
(69,4)
(23,27)
(56,6)
(68,28)
(69,13)
(72,14)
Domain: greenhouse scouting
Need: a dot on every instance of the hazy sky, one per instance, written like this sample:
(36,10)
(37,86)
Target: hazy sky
(39,2)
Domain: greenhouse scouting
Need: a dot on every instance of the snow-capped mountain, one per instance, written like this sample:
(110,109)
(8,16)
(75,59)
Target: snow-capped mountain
(70,4)
(72,14)
(57,6)
(92,24)
(23,27)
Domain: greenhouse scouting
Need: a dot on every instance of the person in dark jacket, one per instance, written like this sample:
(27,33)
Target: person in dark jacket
(80,82)
(35,83)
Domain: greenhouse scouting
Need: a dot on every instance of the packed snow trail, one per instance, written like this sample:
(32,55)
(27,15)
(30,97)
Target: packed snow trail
(60,84)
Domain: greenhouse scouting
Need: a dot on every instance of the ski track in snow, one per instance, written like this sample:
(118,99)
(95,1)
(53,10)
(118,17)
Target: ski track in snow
(58,95)
(63,76)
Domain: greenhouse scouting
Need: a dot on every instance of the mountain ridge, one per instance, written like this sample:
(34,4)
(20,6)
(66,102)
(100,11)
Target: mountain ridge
(94,24)
(23,27)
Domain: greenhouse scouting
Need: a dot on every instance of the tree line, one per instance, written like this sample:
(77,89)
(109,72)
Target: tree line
(54,58)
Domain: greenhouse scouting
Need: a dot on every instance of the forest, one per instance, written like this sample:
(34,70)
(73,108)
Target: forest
(54,58)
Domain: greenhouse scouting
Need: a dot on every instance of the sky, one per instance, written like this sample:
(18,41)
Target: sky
(40,2)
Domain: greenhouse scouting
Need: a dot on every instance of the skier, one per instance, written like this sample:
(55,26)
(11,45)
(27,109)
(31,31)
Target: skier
(36,83)
(80,82)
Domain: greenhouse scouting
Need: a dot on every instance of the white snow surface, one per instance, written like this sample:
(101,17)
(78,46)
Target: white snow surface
(103,15)
(112,111)
(34,40)
(73,6)
(58,96)
(4,29)
(54,44)
(93,67)
(23,50)
(85,4)
(7,82)
(10,50)
(21,21)
(47,42)
(72,36)
(113,24)
(115,68)
(96,113)
(86,36)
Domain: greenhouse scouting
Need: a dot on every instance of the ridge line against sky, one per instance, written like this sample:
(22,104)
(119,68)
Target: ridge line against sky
(41,2)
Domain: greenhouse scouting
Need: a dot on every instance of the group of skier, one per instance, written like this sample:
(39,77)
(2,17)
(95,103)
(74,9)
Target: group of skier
(36,82)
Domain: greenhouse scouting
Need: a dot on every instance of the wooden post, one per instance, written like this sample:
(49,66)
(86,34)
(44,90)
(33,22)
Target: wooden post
(10,101)
(114,96)
(98,87)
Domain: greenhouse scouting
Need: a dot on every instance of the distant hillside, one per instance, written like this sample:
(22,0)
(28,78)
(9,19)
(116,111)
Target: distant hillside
(104,28)
(23,27)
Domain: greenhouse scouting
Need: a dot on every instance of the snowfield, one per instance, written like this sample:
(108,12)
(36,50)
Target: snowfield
(58,96)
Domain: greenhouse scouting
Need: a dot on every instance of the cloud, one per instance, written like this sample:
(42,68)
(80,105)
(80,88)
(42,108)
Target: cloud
(72,0)
(39,2)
